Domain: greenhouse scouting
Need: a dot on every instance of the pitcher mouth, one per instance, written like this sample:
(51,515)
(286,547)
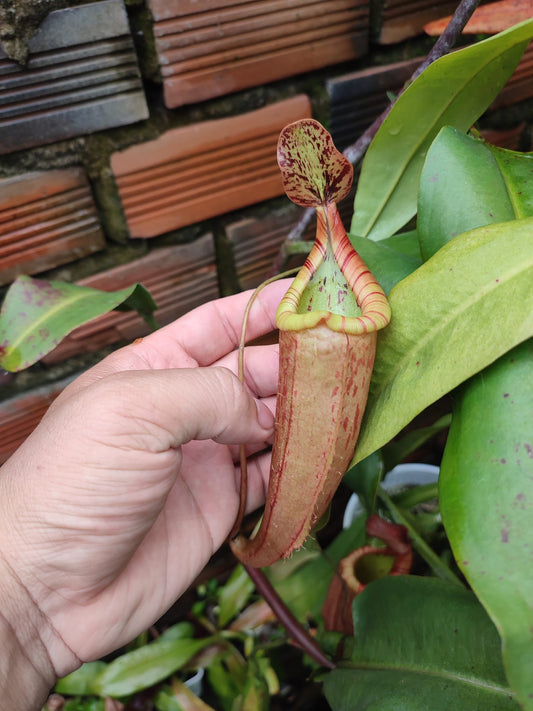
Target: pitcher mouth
(357,304)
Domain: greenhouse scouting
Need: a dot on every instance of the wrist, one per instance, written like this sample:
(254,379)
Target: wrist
(26,672)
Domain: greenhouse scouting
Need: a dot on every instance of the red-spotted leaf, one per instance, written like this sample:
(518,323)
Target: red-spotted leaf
(314,172)
(36,315)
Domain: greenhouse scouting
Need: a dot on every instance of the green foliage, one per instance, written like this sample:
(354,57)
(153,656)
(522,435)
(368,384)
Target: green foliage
(36,315)
(485,185)
(420,644)
(135,670)
(445,326)
(453,91)
(389,266)
(486,492)
(234,595)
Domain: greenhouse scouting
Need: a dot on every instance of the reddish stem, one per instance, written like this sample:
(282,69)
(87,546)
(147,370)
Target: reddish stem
(295,630)
(357,150)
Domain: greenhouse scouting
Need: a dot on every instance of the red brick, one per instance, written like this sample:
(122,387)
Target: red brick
(20,415)
(256,244)
(520,85)
(179,279)
(208,48)
(47,218)
(510,138)
(401,19)
(196,172)
(488,19)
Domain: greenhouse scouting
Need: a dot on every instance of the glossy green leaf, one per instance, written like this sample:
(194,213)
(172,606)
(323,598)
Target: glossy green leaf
(399,449)
(36,315)
(313,171)
(82,681)
(84,704)
(180,630)
(234,595)
(147,665)
(387,265)
(455,90)
(486,494)
(466,184)
(405,243)
(364,479)
(453,316)
(420,644)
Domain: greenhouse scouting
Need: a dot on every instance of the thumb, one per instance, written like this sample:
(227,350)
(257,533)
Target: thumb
(171,407)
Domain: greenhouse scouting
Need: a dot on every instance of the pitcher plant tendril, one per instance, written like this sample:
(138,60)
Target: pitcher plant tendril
(328,322)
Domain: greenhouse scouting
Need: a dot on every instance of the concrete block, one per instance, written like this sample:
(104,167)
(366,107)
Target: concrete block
(356,99)
(81,76)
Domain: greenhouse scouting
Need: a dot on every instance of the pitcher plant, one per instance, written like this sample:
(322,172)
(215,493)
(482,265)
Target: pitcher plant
(328,322)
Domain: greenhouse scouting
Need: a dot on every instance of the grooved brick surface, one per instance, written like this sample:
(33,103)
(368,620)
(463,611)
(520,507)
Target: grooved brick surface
(488,19)
(356,99)
(47,218)
(81,76)
(207,48)
(179,278)
(257,243)
(20,415)
(196,172)
(520,84)
(401,19)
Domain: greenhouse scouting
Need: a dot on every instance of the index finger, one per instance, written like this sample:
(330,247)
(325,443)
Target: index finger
(212,330)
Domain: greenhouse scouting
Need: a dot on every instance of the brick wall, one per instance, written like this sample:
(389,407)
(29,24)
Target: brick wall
(137,143)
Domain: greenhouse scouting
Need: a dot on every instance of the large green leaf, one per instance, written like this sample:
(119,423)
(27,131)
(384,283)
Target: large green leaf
(234,595)
(420,644)
(453,316)
(455,90)
(82,681)
(36,315)
(466,184)
(486,494)
(146,666)
(388,265)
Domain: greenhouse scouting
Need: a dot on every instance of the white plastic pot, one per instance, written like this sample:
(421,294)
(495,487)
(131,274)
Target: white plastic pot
(403,475)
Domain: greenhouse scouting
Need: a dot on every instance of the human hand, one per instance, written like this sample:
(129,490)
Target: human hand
(117,500)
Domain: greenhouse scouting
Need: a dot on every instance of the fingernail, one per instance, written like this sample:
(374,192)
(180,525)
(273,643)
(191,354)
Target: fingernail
(264,416)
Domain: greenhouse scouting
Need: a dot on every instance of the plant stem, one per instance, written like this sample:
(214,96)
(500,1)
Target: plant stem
(419,544)
(357,150)
(242,449)
(294,629)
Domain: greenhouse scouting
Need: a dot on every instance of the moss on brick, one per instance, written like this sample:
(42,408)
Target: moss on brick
(20,20)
